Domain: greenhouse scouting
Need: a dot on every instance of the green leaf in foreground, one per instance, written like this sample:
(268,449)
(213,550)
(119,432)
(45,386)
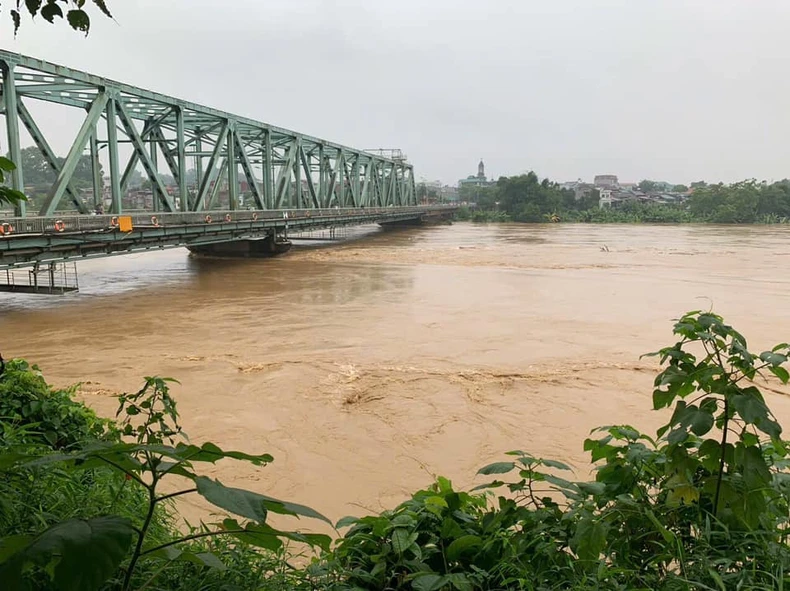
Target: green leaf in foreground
(103,7)
(265,536)
(462,545)
(85,553)
(172,554)
(346,522)
(238,501)
(402,539)
(497,468)
(51,10)
(555,464)
(428,582)
(249,504)
(590,539)
(79,20)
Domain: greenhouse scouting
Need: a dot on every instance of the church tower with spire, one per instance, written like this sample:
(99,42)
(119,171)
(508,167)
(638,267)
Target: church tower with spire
(477,181)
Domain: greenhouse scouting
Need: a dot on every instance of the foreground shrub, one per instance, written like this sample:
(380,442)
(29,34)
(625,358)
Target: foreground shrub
(101,544)
(42,414)
(702,506)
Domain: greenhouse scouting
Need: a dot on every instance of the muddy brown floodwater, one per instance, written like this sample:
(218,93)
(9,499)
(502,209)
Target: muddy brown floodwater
(367,367)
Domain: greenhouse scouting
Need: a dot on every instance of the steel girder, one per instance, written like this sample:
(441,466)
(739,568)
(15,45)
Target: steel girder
(282,168)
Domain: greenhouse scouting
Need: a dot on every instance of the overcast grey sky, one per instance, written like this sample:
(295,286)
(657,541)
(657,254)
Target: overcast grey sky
(677,90)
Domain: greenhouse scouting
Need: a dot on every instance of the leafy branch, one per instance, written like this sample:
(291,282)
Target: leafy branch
(149,418)
(8,196)
(73,11)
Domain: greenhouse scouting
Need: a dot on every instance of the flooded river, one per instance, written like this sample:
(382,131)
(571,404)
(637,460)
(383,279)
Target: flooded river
(369,366)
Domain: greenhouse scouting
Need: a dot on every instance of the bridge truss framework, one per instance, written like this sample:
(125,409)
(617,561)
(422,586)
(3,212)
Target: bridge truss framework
(283,169)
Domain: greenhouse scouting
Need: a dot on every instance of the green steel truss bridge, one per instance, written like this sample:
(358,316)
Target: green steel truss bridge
(291,181)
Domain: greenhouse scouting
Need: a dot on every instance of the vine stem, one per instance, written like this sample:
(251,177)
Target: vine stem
(157,572)
(152,500)
(724,429)
(176,494)
(207,534)
(721,460)
(130,474)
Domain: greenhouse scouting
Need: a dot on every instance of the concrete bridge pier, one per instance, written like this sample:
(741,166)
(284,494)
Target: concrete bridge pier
(270,246)
(428,219)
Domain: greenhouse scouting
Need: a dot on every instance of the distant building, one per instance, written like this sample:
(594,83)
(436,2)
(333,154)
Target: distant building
(605,198)
(606,181)
(436,185)
(616,197)
(448,193)
(476,181)
(580,189)
(663,186)
(435,191)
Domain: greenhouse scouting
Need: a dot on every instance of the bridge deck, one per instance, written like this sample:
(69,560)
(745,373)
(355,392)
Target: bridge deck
(30,240)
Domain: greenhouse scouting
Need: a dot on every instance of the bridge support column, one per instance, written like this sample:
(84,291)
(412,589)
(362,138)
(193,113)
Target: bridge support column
(112,147)
(266,247)
(268,188)
(182,160)
(153,156)
(429,219)
(233,170)
(297,164)
(12,129)
(198,168)
(96,172)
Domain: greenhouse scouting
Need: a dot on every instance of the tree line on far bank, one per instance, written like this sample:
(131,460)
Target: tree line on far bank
(527,198)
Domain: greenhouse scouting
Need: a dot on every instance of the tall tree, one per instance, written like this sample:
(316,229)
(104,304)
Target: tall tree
(728,204)
(647,185)
(38,173)
(526,198)
(35,169)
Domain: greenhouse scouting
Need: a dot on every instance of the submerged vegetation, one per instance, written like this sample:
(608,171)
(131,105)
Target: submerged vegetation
(526,198)
(703,504)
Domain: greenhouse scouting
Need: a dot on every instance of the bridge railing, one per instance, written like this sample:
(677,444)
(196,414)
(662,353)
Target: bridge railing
(146,220)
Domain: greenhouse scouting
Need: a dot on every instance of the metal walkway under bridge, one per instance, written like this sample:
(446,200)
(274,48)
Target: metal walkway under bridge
(231,179)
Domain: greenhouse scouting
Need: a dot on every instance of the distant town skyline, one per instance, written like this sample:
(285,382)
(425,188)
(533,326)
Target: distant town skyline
(482,166)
